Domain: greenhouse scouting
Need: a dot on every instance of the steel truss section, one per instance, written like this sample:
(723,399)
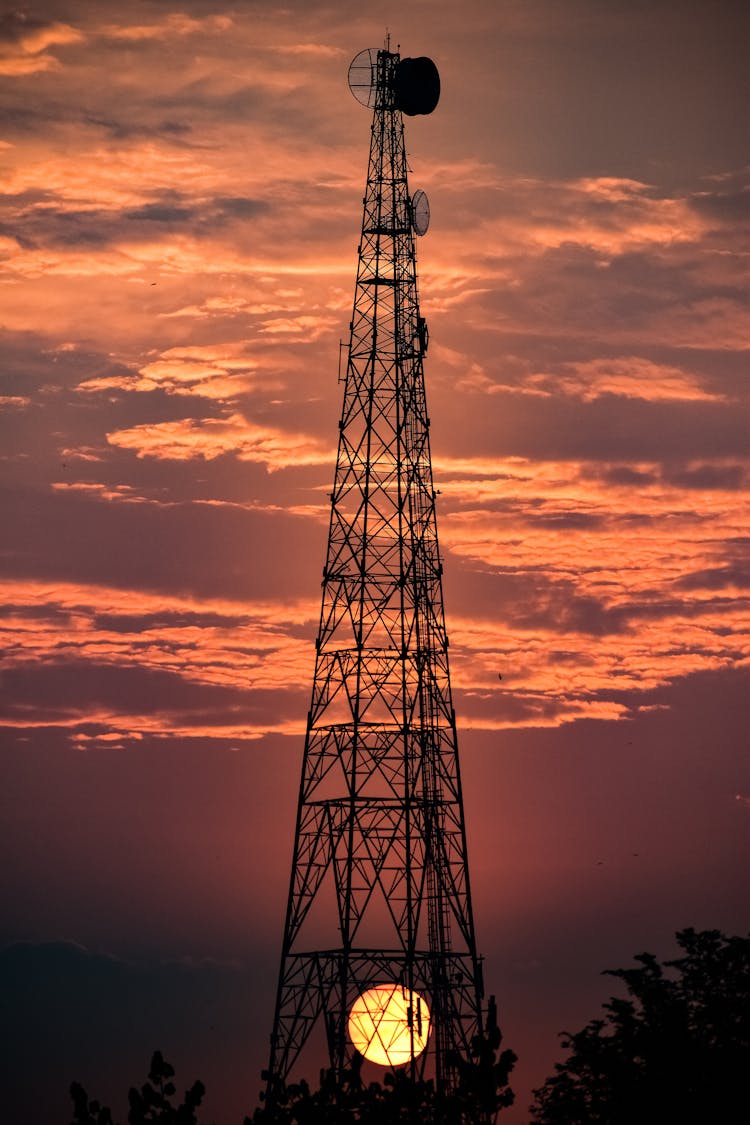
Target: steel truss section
(380,841)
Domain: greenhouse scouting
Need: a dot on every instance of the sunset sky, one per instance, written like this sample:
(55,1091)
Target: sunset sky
(180,211)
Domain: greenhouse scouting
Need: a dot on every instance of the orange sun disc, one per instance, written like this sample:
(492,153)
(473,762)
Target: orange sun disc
(389,1025)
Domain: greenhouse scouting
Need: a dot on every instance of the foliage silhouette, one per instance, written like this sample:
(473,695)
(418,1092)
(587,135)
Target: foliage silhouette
(87,1112)
(677,1050)
(151,1104)
(481,1092)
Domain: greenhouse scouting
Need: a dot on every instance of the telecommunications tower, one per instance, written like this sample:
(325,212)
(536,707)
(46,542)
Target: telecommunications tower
(379,956)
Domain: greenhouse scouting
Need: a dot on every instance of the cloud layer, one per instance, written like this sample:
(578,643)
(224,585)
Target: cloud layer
(179,216)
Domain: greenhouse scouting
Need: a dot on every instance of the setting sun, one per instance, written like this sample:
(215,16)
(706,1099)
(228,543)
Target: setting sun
(389,1025)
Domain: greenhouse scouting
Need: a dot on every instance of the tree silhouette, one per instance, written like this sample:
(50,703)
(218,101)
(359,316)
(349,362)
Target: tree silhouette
(150,1105)
(482,1089)
(152,1102)
(676,1050)
(87,1112)
(480,1092)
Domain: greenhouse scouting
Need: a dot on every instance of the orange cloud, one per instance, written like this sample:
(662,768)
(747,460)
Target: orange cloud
(608,581)
(217,306)
(635,277)
(629,376)
(208,438)
(22,65)
(212,642)
(25,54)
(176,24)
(216,371)
(71,596)
(40,38)
(204,370)
(100,491)
(66,624)
(316,50)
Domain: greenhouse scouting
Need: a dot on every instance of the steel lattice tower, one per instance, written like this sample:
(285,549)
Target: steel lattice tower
(379,888)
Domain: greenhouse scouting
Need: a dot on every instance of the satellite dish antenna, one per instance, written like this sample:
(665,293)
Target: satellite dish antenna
(420,211)
(363,76)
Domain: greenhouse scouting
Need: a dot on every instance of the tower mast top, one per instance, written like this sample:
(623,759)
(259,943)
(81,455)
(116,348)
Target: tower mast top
(410,85)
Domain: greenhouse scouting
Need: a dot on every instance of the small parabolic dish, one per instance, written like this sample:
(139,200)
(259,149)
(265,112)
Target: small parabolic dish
(389,1025)
(416,86)
(363,76)
(420,212)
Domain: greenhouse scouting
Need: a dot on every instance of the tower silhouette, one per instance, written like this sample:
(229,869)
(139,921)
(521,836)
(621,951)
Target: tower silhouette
(379,952)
